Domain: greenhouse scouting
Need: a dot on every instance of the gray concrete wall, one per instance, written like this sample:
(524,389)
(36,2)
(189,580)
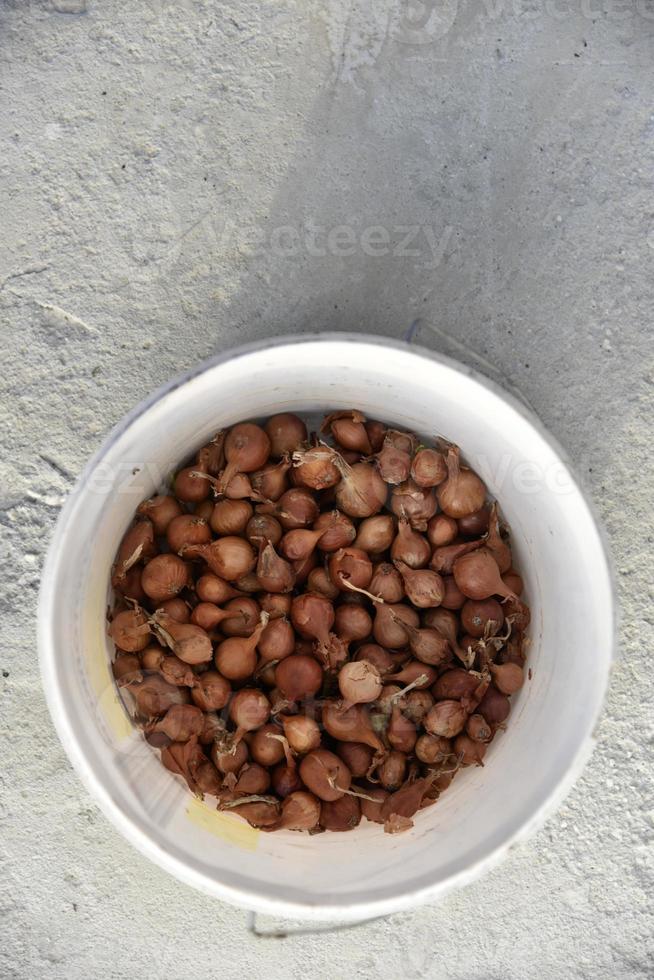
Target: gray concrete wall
(179,177)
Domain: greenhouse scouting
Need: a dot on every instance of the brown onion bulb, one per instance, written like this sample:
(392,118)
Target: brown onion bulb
(229,517)
(349,431)
(375,534)
(339,531)
(415,673)
(446,718)
(377,656)
(494,706)
(300,811)
(361,491)
(211,458)
(266,746)
(455,684)
(387,631)
(126,668)
(313,617)
(496,544)
(428,468)
(244,617)
(247,448)
(386,583)
(401,731)
(214,727)
(272,481)
(410,547)
(469,751)
(164,577)
(319,581)
(273,572)
(177,609)
(443,559)
(190,486)
(229,557)
(443,620)
(356,756)
(303,567)
(508,678)
(341,815)
(376,433)
(299,543)
(130,630)
(181,722)
(325,775)
(416,504)
(432,749)
(359,682)
(239,487)
(226,762)
(428,645)
(315,468)
(481,615)
(298,677)
(463,492)
(424,588)
(187,529)
(210,588)
(129,584)
(478,728)
(253,779)
(236,657)
(160,509)
(513,581)
(302,733)
(286,432)
(478,576)
(475,524)
(277,640)
(211,691)
(350,567)
(249,709)
(263,528)
(276,604)
(260,812)
(295,508)
(392,770)
(453,597)
(394,463)
(136,546)
(286,780)
(207,615)
(188,642)
(174,670)
(154,695)
(371,808)
(417,704)
(350,724)
(517,613)
(442,530)
(352,622)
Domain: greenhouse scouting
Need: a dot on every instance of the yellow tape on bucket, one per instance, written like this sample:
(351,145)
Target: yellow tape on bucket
(229,828)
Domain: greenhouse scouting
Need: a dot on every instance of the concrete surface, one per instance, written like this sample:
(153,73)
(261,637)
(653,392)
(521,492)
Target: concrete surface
(178,177)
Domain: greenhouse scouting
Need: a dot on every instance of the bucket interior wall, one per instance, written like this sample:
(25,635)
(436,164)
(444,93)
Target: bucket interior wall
(556,549)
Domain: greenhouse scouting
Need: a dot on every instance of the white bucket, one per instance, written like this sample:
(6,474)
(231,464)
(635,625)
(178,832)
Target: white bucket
(528,768)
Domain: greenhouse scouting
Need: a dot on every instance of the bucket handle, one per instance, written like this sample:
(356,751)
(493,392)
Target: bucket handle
(254,929)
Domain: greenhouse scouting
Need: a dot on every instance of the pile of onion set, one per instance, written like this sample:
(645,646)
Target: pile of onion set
(313,628)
